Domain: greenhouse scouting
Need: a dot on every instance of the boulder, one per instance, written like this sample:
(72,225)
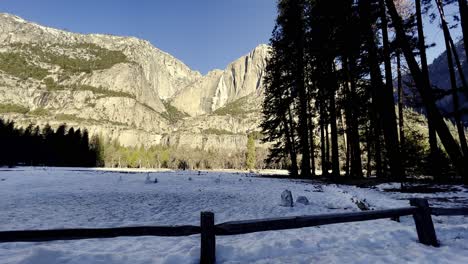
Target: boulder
(148,179)
(286,199)
(363,205)
(302,200)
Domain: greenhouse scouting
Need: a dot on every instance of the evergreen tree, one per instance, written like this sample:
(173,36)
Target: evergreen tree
(251,156)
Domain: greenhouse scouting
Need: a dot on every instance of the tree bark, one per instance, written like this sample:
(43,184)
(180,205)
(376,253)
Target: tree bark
(311,137)
(434,149)
(290,141)
(334,128)
(353,127)
(453,80)
(463,6)
(384,97)
(426,93)
(400,100)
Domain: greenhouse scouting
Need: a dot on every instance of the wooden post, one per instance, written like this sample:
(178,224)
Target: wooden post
(208,238)
(423,220)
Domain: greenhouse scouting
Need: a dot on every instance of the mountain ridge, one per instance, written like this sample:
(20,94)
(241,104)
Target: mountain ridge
(122,87)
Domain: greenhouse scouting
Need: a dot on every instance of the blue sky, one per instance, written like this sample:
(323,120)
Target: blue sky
(204,34)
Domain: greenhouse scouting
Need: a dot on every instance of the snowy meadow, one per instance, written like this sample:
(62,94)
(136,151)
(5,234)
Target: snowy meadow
(49,198)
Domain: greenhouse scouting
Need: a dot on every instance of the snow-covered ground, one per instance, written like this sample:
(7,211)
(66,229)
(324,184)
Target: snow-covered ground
(37,198)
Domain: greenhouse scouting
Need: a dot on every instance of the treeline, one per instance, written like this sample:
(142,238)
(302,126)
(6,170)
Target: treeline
(250,157)
(331,78)
(36,146)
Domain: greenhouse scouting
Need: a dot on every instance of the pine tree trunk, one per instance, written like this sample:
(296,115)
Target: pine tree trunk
(384,96)
(353,126)
(400,101)
(453,80)
(448,36)
(427,95)
(459,66)
(311,139)
(456,103)
(290,144)
(369,151)
(323,154)
(377,147)
(346,127)
(334,133)
(347,145)
(434,149)
(327,149)
(463,6)
(303,113)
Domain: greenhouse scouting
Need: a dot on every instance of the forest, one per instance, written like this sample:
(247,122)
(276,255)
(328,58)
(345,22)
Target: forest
(36,146)
(344,62)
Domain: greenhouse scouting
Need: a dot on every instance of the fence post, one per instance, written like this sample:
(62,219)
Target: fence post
(423,220)
(208,238)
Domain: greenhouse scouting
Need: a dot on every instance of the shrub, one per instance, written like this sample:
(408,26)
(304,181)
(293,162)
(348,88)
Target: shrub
(40,112)
(172,113)
(17,65)
(215,131)
(13,108)
(100,90)
(67,117)
(237,107)
(51,85)
(100,59)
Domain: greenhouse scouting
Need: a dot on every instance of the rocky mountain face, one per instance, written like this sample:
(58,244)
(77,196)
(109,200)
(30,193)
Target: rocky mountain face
(243,77)
(125,89)
(440,80)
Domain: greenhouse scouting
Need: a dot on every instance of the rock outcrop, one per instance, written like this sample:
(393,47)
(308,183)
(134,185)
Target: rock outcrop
(243,77)
(125,88)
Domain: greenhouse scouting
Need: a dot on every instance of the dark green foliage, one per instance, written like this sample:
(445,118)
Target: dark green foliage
(250,155)
(39,112)
(67,117)
(35,147)
(172,113)
(160,156)
(13,108)
(215,131)
(326,79)
(100,90)
(235,108)
(17,64)
(97,58)
(51,85)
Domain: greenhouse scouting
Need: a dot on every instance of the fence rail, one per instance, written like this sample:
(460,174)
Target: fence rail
(259,225)
(448,211)
(419,209)
(90,233)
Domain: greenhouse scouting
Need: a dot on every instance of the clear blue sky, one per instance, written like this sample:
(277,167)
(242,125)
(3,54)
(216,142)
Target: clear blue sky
(204,34)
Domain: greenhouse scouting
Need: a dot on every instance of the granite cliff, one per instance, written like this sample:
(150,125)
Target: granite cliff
(125,89)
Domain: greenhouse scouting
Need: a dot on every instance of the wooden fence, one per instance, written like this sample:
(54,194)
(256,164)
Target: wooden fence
(419,209)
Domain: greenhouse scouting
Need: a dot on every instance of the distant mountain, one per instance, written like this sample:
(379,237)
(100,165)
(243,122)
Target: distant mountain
(125,88)
(438,71)
(440,79)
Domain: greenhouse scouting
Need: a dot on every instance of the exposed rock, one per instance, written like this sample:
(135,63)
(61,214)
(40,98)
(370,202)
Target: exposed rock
(302,200)
(286,199)
(129,100)
(148,179)
(243,77)
(361,204)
